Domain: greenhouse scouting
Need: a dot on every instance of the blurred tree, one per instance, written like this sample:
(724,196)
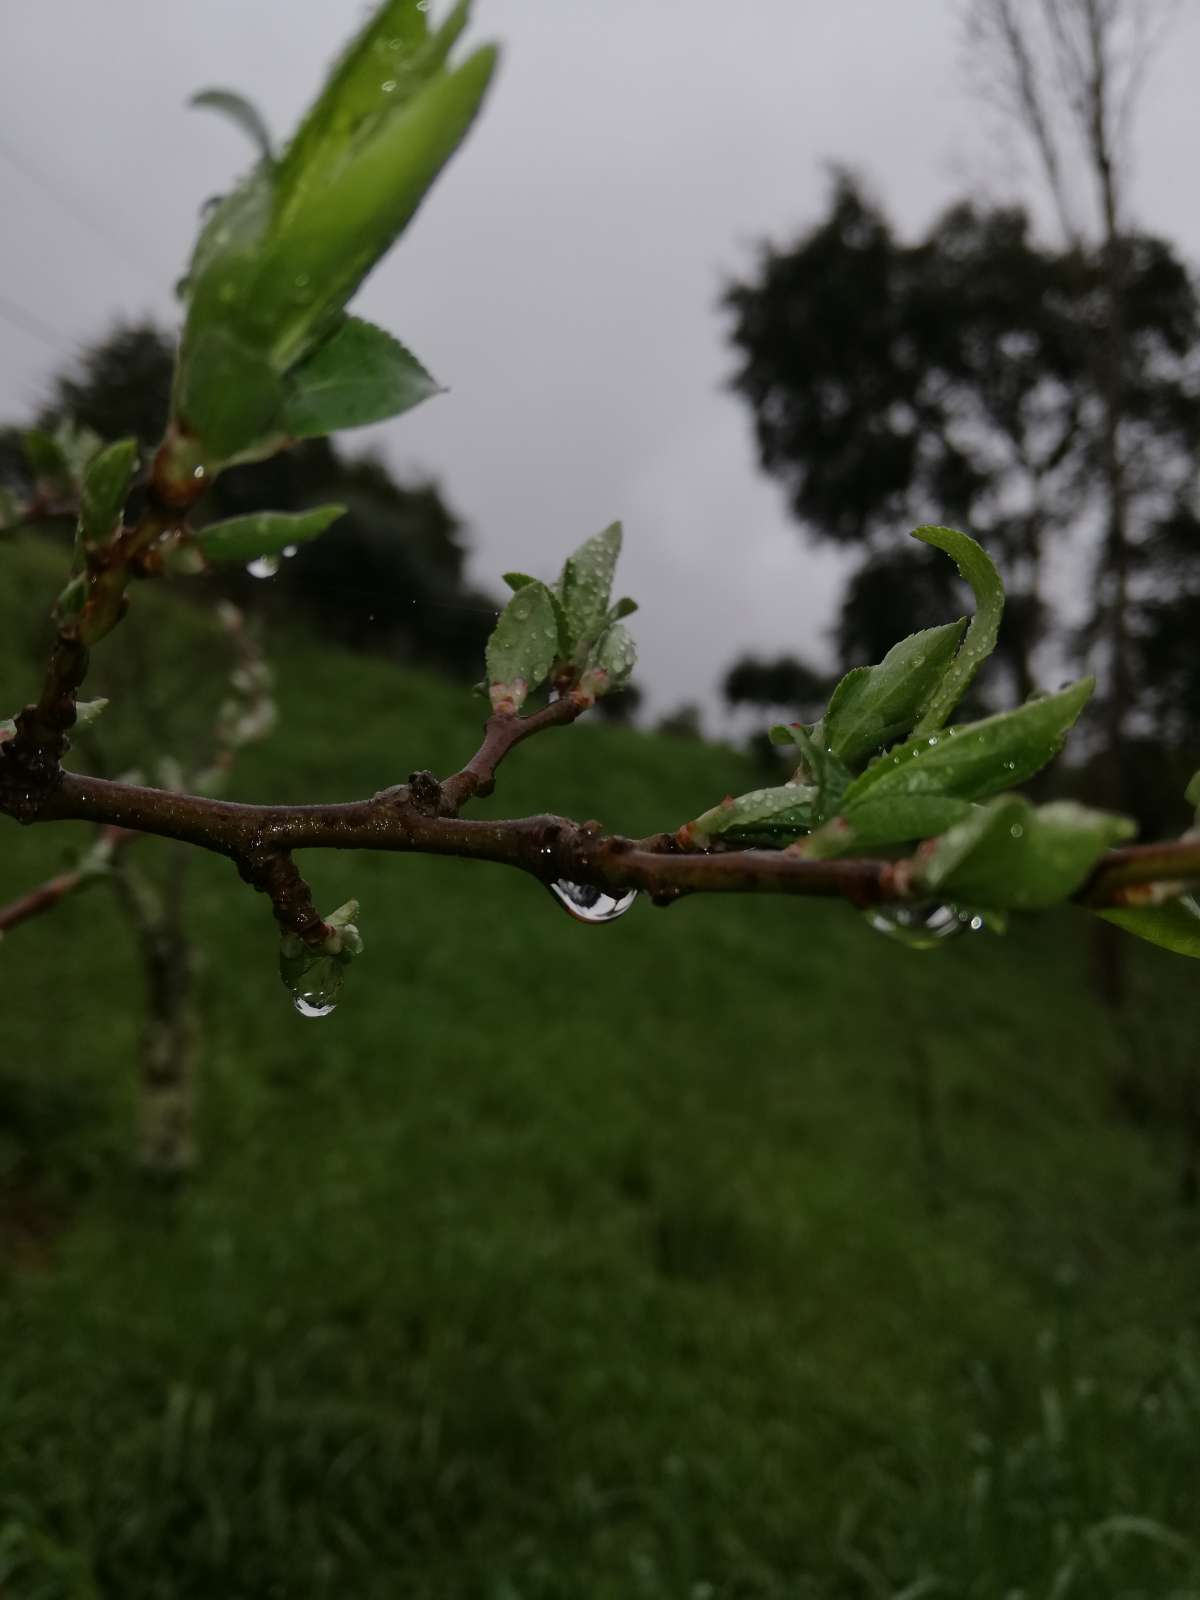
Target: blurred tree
(388,576)
(954,379)
(685,722)
(785,684)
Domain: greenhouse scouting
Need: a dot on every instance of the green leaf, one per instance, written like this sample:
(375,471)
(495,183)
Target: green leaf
(976,759)
(872,706)
(1012,854)
(978,569)
(522,648)
(359,375)
(894,819)
(610,661)
(385,64)
(1192,793)
(47,461)
(227,394)
(782,811)
(106,482)
(1173,926)
(586,583)
(72,598)
(240,111)
(328,232)
(517,580)
(265,533)
(625,607)
(86,712)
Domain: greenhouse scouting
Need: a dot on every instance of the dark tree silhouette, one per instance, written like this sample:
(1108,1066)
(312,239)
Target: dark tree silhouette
(954,380)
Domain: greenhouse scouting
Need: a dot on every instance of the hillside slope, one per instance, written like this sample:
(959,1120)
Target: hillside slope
(729,1250)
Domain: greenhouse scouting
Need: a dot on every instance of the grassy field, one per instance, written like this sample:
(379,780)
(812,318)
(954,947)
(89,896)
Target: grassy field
(727,1251)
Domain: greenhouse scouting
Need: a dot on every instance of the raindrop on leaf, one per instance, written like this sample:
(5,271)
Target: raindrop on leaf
(589,904)
(263,566)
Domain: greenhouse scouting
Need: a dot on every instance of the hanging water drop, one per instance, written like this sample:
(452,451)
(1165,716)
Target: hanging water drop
(317,989)
(922,927)
(313,1005)
(589,904)
(263,566)
(289,550)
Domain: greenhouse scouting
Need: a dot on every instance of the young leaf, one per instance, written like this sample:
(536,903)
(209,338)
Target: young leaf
(610,661)
(517,580)
(227,394)
(977,759)
(872,706)
(522,648)
(105,487)
(329,234)
(265,533)
(86,712)
(240,111)
(586,583)
(47,461)
(1173,926)
(977,568)
(359,375)
(356,98)
(624,607)
(785,810)
(1012,854)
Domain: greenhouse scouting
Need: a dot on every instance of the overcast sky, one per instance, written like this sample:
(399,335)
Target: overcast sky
(564,277)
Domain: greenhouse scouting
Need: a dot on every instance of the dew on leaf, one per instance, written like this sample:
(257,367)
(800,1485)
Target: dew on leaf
(263,566)
(589,904)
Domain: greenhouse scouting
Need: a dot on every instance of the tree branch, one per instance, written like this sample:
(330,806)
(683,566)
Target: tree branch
(49,894)
(259,839)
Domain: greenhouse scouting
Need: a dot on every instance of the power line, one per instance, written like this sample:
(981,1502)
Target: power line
(30,323)
(75,205)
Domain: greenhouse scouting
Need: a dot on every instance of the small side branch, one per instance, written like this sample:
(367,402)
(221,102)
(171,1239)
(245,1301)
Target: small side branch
(49,894)
(504,732)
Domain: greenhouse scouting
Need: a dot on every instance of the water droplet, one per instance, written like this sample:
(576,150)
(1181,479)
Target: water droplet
(263,566)
(289,550)
(589,904)
(1016,831)
(422,5)
(388,86)
(933,738)
(921,927)
(197,472)
(316,1004)
(301,280)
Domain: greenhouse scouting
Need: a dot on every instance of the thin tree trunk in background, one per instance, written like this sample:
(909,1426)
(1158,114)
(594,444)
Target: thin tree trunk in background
(169,1043)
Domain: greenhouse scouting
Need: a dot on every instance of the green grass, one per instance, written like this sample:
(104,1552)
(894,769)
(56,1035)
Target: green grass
(730,1250)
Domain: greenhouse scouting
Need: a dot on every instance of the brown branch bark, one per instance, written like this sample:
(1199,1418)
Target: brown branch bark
(259,839)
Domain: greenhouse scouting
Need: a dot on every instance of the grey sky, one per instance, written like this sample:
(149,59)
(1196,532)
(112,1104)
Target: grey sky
(563,279)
